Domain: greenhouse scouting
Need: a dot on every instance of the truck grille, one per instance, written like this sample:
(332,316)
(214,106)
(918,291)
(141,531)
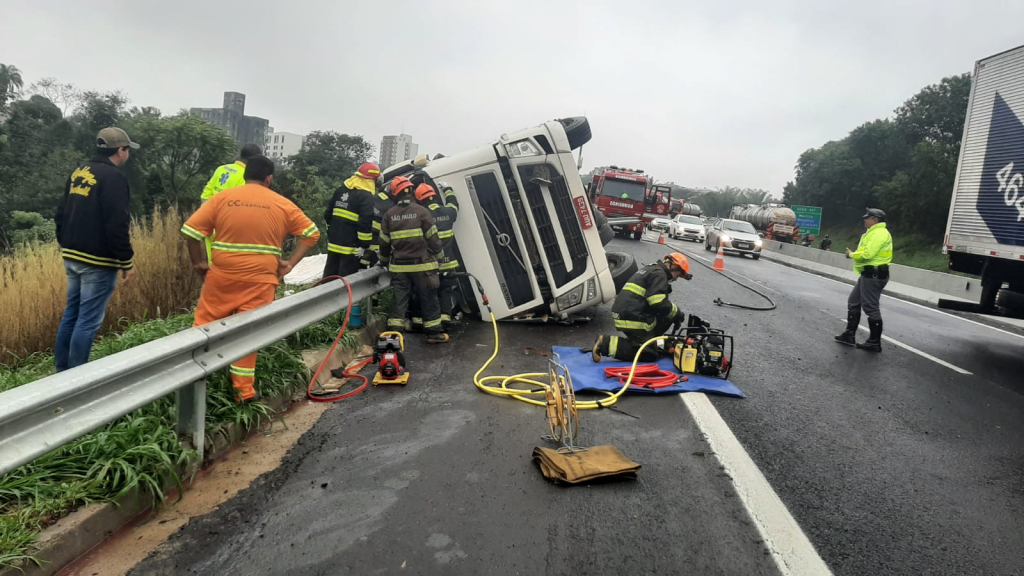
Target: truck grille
(502,240)
(561,200)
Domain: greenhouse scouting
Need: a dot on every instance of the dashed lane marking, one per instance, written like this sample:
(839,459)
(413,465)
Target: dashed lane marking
(919,352)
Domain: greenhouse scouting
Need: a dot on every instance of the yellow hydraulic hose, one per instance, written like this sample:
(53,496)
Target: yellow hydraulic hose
(523,394)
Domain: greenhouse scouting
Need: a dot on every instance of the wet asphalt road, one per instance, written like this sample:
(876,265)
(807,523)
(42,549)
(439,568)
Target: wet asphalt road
(891,463)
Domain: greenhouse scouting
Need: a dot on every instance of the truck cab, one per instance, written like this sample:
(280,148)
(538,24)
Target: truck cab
(525,229)
(628,193)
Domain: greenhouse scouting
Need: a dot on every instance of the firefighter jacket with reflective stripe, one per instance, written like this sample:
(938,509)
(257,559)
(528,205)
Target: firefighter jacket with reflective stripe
(251,223)
(450,199)
(350,217)
(644,299)
(444,218)
(224,178)
(92,220)
(381,204)
(409,238)
(875,248)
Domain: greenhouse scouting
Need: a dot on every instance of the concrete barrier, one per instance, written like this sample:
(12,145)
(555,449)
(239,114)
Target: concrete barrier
(949,284)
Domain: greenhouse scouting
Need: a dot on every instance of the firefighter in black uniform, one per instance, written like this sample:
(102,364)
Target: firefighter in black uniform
(349,217)
(382,202)
(447,263)
(643,311)
(410,246)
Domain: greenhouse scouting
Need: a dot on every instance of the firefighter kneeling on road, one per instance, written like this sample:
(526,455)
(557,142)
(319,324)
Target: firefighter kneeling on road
(643,311)
(409,246)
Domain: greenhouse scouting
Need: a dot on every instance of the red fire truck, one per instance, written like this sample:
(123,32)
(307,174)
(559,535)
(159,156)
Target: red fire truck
(626,193)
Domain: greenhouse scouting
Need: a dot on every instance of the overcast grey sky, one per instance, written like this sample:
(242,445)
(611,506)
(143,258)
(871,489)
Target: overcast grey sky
(706,93)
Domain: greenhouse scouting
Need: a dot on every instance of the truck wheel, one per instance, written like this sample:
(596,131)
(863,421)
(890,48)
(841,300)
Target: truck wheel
(638,234)
(1012,302)
(577,130)
(757,256)
(604,230)
(622,267)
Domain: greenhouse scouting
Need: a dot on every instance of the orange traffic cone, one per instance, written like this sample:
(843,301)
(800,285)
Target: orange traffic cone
(661,238)
(720,260)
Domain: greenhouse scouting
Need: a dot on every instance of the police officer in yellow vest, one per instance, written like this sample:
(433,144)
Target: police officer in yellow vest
(226,177)
(230,175)
(871,261)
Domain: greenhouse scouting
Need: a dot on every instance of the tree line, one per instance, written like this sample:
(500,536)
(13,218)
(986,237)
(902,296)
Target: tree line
(48,128)
(905,165)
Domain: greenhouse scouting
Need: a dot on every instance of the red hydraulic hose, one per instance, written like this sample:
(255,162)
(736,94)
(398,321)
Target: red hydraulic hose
(351,373)
(645,376)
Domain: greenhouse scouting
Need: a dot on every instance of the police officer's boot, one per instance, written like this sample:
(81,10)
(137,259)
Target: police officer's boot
(874,341)
(849,336)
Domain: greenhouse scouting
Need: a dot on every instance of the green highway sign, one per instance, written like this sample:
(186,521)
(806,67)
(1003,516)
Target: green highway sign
(808,218)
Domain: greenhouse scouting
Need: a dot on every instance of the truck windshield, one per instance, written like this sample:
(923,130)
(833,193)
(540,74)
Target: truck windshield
(624,190)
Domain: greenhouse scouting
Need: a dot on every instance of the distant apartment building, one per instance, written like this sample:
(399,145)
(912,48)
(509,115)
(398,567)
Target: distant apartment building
(395,149)
(281,145)
(231,117)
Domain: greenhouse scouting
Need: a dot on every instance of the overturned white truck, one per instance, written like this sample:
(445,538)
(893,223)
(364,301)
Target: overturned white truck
(526,229)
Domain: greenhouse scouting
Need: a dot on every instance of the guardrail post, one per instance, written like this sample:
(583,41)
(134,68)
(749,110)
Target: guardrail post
(191,405)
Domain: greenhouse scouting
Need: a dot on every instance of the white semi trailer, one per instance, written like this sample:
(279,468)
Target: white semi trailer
(985,229)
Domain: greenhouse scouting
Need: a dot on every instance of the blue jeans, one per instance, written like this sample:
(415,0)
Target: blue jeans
(89,290)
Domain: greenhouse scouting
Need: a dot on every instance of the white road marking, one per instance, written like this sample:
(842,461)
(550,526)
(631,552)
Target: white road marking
(790,548)
(968,320)
(918,352)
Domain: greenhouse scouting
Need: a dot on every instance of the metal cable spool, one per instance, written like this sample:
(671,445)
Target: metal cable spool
(562,416)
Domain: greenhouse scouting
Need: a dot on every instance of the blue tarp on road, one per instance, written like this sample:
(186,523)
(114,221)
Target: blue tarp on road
(586,375)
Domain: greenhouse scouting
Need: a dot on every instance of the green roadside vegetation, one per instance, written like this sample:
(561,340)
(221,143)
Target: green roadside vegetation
(916,250)
(141,450)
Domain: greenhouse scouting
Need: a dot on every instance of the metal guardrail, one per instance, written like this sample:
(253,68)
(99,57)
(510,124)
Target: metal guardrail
(46,414)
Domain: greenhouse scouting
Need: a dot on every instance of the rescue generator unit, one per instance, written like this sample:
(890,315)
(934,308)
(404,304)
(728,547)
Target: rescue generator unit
(389,356)
(700,349)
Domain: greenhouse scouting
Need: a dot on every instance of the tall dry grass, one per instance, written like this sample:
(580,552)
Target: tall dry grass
(33,286)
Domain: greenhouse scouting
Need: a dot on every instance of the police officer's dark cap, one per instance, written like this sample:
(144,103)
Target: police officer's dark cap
(874,213)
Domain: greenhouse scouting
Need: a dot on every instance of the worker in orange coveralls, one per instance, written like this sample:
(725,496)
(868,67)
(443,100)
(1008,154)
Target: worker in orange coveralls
(251,223)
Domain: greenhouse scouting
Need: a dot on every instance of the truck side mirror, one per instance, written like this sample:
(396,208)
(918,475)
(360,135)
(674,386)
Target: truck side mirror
(761,234)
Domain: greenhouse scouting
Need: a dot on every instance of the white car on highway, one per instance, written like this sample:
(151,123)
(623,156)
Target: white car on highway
(660,224)
(686,227)
(734,236)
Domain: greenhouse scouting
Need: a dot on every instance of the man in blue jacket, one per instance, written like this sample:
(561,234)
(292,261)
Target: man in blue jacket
(93,232)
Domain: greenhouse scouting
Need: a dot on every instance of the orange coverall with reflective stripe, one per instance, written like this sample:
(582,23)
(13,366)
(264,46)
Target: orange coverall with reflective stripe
(251,223)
